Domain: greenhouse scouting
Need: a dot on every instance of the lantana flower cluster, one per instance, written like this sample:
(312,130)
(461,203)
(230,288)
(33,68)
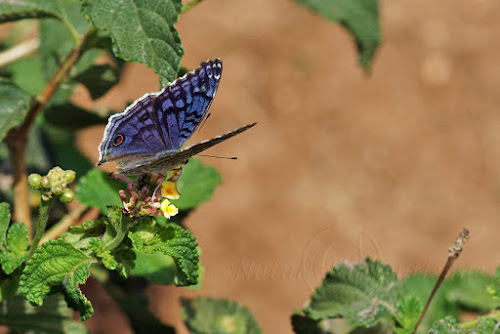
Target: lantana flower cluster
(150,194)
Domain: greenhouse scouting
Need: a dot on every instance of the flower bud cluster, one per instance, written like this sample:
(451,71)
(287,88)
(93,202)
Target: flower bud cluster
(55,183)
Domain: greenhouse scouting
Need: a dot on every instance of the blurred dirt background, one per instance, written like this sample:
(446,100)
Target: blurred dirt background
(342,164)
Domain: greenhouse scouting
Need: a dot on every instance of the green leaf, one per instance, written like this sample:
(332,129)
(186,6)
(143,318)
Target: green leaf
(80,235)
(360,17)
(468,289)
(363,293)
(74,296)
(420,286)
(54,263)
(54,317)
(207,315)
(96,189)
(17,243)
(4,222)
(27,74)
(142,31)
(172,240)
(196,185)
(14,104)
(487,325)
(23,9)
(98,79)
(97,246)
(155,267)
(409,310)
(493,288)
(70,117)
(446,326)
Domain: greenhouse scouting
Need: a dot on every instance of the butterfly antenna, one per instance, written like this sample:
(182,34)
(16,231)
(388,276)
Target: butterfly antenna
(218,157)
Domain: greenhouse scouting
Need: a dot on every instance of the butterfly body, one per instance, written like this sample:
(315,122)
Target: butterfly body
(147,136)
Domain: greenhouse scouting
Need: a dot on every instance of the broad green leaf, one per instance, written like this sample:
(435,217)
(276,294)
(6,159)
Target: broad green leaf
(468,289)
(27,74)
(142,31)
(99,248)
(172,240)
(13,10)
(360,17)
(409,310)
(80,235)
(196,185)
(54,317)
(487,326)
(156,268)
(73,295)
(98,79)
(17,243)
(446,326)
(207,315)
(70,117)
(52,264)
(96,189)
(14,104)
(4,223)
(363,293)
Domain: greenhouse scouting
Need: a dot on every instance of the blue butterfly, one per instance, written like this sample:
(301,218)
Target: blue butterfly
(147,136)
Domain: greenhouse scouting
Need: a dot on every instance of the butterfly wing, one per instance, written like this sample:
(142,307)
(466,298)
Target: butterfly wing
(181,108)
(167,161)
(163,121)
(132,133)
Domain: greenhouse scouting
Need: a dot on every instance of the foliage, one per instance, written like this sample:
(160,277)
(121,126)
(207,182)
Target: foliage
(124,252)
(367,296)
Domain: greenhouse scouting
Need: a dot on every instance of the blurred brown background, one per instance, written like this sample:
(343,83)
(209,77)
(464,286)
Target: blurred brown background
(341,165)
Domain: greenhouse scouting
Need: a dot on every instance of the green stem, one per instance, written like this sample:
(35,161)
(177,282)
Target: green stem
(190,5)
(495,314)
(42,224)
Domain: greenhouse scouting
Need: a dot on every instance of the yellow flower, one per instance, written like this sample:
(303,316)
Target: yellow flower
(169,189)
(168,209)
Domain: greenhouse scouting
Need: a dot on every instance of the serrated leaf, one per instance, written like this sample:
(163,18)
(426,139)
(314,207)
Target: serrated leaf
(70,117)
(14,104)
(446,326)
(362,293)
(172,240)
(360,17)
(98,79)
(74,296)
(79,235)
(409,310)
(487,325)
(17,242)
(54,317)
(97,190)
(52,264)
(4,222)
(420,286)
(156,267)
(97,246)
(142,31)
(207,315)
(196,185)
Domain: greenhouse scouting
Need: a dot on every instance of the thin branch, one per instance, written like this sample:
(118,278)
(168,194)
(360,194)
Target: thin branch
(453,253)
(190,5)
(17,138)
(19,51)
(61,226)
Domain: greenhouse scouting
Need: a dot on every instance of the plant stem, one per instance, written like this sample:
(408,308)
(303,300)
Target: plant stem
(42,224)
(190,5)
(453,253)
(62,225)
(16,138)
